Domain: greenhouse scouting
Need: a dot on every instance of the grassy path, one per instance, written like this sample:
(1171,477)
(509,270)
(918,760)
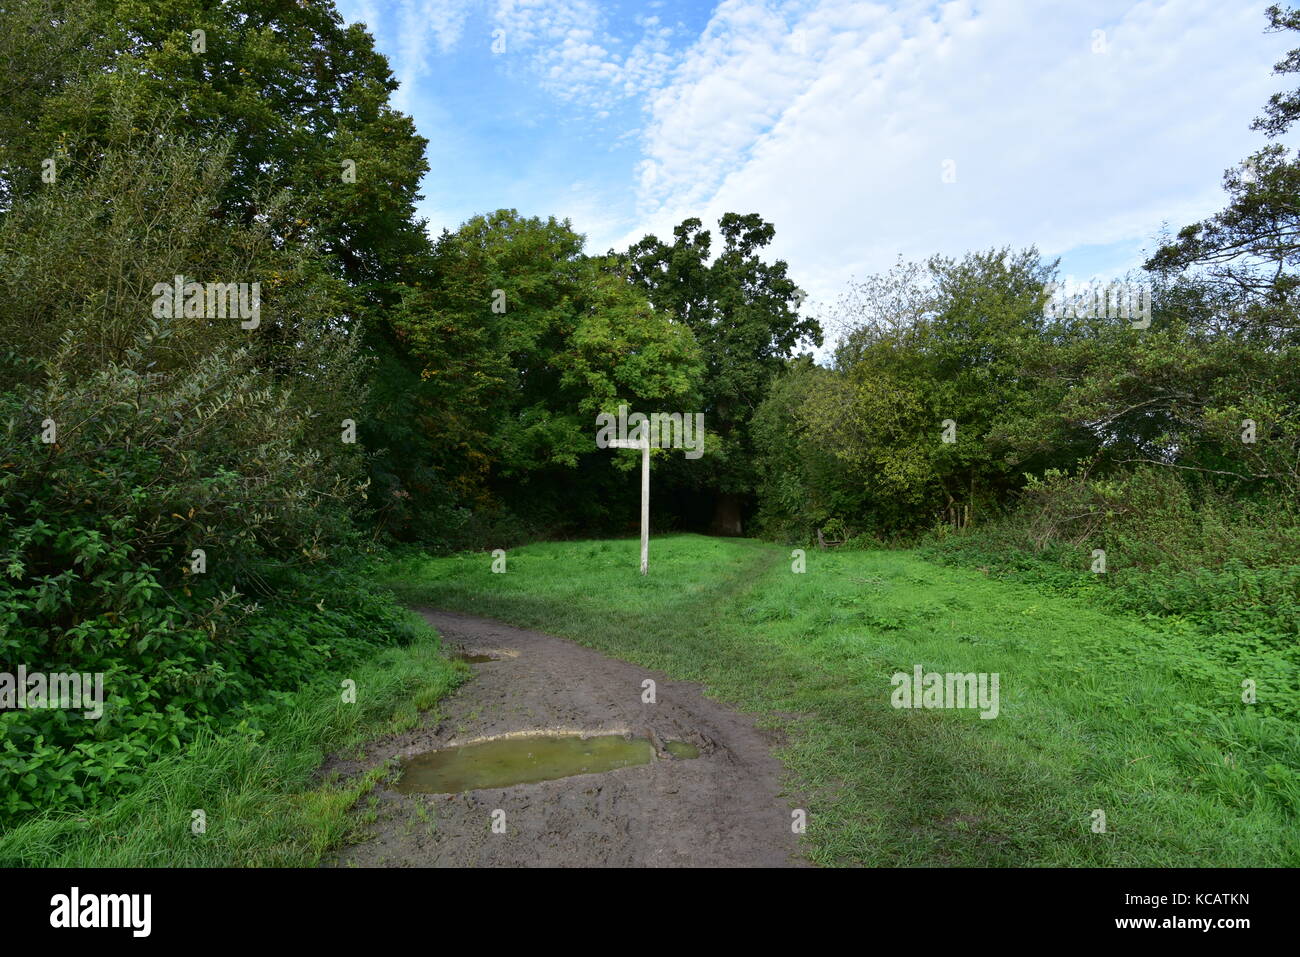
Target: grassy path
(1095,713)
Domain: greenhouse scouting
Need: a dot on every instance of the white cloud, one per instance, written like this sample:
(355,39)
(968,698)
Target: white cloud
(833,121)
(571,48)
(410,34)
(832,118)
(424,28)
(567,45)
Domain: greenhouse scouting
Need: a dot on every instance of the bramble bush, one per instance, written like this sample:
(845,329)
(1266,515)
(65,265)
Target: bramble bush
(170,435)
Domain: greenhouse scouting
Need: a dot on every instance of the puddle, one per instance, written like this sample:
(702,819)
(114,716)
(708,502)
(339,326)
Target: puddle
(506,761)
(473,659)
(681,749)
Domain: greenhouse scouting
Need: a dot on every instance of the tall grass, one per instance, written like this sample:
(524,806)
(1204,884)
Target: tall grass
(260,795)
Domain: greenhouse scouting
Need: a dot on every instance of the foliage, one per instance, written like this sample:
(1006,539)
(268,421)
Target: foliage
(170,435)
(744,313)
(521,340)
(266,803)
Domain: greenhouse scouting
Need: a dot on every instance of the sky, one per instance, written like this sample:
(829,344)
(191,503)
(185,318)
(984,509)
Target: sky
(863,131)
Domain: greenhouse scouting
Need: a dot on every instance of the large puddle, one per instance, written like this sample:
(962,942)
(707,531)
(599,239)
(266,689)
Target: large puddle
(506,761)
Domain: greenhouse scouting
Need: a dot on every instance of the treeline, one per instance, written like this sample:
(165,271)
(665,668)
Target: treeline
(175,499)
(955,394)
(498,359)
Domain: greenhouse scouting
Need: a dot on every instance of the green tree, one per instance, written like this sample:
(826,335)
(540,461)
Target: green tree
(135,444)
(1241,365)
(316,150)
(521,340)
(929,387)
(295,91)
(1250,251)
(743,312)
(804,485)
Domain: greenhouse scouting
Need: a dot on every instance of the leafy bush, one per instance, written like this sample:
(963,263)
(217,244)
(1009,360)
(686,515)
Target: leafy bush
(170,435)
(160,696)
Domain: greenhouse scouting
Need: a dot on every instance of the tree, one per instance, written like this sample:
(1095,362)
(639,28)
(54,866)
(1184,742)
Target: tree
(1249,252)
(804,486)
(929,388)
(521,340)
(743,312)
(317,156)
(1244,262)
(160,474)
(295,92)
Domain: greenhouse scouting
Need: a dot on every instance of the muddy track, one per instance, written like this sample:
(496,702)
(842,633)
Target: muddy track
(724,808)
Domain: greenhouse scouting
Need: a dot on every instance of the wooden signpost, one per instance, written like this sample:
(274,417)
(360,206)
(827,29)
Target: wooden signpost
(644,445)
(658,430)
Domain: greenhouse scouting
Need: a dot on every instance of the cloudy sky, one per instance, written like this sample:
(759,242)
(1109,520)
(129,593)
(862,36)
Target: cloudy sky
(862,130)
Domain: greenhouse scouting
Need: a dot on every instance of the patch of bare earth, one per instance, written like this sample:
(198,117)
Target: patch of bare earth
(724,808)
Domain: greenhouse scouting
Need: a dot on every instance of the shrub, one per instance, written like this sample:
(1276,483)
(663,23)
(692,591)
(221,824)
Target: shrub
(169,435)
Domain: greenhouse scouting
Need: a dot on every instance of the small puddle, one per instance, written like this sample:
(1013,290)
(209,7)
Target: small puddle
(506,761)
(473,659)
(681,749)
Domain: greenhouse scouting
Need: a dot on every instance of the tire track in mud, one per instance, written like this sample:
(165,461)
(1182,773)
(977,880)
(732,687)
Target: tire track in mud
(724,808)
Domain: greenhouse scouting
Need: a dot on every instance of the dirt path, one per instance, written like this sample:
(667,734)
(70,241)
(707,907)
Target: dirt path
(722,808)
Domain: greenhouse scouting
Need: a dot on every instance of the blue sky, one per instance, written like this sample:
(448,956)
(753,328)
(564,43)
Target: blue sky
(863,131)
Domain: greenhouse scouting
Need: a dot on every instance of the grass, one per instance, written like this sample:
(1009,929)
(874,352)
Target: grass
(1097,712)
(261,798)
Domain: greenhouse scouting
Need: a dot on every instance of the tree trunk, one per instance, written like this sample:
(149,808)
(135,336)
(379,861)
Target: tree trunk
(726,516)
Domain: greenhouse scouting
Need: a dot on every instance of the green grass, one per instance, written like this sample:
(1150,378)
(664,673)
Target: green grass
(263,801)
(1097,711)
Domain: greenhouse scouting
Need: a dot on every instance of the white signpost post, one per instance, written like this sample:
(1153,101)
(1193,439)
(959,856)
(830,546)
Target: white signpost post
(644,445)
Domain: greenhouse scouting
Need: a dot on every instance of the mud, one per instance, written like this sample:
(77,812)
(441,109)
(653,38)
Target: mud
(722,808)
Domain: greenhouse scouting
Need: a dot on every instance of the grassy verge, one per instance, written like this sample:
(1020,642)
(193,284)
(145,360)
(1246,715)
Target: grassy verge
(259,793)
(1098,711)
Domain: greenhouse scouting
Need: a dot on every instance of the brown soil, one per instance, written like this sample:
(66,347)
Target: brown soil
(724,808)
